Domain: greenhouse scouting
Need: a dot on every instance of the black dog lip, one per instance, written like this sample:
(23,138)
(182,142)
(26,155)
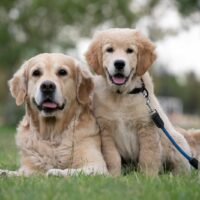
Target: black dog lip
(40,107)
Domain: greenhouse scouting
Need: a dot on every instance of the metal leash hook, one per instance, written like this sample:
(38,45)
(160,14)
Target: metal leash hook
(146,96)
(153,112)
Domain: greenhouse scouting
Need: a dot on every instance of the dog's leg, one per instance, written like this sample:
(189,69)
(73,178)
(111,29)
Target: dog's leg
(26,171)
(23,171)
(88,170)
(88,161)
(111,155)
(4,172)
(150,154)
(192,136)
(179,163)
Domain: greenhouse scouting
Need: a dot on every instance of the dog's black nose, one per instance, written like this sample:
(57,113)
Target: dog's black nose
(48,87)
(119,64)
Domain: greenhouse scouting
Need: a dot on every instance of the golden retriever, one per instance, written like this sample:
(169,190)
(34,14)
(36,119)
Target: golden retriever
(58,134)
(121,58)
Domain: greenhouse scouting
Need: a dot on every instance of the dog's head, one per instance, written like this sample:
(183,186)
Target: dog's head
(49,83)
(119,55)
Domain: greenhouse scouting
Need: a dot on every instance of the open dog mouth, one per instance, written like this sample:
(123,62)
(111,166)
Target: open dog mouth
(48,105)
(118,78)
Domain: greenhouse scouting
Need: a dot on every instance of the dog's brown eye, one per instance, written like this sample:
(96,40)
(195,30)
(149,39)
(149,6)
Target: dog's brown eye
(110,50)
(129,50)
(62,72)
(36,72)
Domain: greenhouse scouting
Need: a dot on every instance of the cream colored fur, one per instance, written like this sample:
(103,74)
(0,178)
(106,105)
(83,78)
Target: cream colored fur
(126,128)
(66,142)
(193,138)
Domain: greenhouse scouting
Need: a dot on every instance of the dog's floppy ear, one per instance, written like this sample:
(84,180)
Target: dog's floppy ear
(84,87)
(146,53)
(94,56)
(18,85)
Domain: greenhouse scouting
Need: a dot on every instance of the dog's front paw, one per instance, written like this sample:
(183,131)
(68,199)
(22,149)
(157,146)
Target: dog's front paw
(55,172)
(61,172)
(4,172)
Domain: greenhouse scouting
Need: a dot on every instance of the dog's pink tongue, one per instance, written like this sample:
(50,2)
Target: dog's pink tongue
(118,80)
(49,105)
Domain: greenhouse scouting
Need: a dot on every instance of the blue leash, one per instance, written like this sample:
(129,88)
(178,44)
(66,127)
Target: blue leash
(176,145)
(160,124)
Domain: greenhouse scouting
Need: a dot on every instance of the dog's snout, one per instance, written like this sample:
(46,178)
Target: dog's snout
(119,64)
(48,87)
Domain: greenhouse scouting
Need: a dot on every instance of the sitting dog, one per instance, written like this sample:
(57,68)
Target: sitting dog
(121,58)
(58,134)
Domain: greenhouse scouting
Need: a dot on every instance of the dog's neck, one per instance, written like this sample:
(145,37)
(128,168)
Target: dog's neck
(47,127)
(125,89)
(135,82)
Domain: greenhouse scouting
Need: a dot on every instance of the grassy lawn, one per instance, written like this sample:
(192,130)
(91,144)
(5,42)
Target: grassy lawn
(131,186)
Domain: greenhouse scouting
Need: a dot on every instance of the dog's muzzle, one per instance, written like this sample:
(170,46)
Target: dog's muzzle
(48,103)
(118,78)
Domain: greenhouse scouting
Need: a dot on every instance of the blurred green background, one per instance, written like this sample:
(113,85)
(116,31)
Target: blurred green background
(29,27)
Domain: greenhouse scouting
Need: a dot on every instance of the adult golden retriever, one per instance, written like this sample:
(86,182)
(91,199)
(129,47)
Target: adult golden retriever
(58,134)
(121,58)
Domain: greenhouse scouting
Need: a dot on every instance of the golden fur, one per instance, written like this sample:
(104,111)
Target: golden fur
(193,138)
(66,141)
(126,127)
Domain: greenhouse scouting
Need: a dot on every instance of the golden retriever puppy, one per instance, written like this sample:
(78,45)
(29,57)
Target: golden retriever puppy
(121,58)
(58,134)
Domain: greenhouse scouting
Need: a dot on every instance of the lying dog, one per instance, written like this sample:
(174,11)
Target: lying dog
(122,57)
(58,133)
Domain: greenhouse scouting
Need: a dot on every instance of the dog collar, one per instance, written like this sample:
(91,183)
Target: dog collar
(141,89)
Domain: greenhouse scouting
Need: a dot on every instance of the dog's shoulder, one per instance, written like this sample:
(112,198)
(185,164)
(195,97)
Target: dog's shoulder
(148,82)
(99,82)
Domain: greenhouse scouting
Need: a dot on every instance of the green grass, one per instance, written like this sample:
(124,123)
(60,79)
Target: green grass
(131,186)
(8,152)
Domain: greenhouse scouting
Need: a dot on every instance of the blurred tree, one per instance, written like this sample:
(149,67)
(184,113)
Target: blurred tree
(33,26)
(186,7)
(191,95)
(30,27)
(166,84)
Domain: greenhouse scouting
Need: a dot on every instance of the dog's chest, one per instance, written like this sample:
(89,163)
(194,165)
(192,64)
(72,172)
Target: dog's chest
(63,153)
(123,115)
(47,154)
(126,139)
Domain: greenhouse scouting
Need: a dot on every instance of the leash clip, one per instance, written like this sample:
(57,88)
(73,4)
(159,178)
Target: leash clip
(146,96)
(145,93)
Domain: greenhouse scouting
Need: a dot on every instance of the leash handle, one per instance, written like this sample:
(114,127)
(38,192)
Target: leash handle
(157,119)
(195,163)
